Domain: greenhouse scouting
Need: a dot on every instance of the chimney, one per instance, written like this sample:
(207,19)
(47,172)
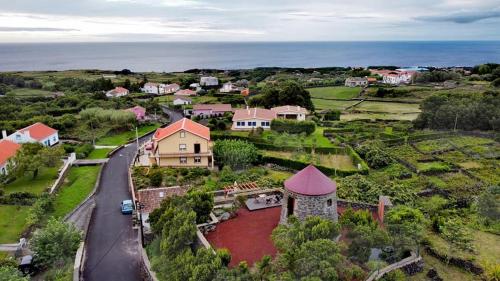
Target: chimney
(383,201)
(4,134)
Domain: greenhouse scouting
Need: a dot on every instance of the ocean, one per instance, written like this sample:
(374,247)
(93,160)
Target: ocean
(180,56)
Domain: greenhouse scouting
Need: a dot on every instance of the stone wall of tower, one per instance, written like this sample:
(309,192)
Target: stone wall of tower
(310,206)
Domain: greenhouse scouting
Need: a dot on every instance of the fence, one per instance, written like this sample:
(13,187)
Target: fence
(63,172)
(402,263)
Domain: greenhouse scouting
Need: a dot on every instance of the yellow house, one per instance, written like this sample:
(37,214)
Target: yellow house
(184,143)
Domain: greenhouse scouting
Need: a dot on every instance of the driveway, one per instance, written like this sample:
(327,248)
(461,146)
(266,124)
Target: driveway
(112,247)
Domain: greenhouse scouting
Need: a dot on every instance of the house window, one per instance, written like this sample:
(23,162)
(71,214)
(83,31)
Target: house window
(263,124)
(183,134)
(197,159)
(182,147)
(18,137)
(329,202)
(183,160)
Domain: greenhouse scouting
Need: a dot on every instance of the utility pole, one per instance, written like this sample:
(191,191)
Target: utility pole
(456,119)
(137,138)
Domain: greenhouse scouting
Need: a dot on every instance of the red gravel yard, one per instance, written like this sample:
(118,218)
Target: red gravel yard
(247,236)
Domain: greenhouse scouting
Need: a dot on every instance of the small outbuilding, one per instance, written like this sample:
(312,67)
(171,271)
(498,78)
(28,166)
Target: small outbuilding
(309,193)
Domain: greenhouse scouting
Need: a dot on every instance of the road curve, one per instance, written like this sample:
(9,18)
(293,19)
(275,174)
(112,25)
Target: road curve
(112,247)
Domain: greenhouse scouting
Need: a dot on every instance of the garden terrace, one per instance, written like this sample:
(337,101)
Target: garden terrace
(247,236)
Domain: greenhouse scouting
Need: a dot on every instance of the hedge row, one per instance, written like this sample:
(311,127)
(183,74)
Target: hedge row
(269,146)
(417,138)
(357,159)
(292,126)
(298,165)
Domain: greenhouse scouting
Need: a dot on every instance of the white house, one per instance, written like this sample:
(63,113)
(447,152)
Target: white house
(356,82)
(160,89)
(394,77)
(230,88)
(209,81)
(182,101)
(37,132)
(151,88)
(293,112)
(117,92)
(170,88)
(250,118)
(8,149)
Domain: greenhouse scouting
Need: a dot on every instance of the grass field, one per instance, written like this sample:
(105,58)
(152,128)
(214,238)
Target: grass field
(26,183)
(293,140)
(12,222)
(337,161)
(197,99)
(99,153)
(77,186)
(379,116)
(26,92)
(321,104)
(445,271)
(387,107)
(334,92)
(124,137)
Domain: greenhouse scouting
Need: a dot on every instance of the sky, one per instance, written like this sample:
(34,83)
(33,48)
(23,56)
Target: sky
(247,20)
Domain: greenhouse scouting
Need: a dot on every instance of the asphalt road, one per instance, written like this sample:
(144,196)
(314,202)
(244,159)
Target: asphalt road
(112,246)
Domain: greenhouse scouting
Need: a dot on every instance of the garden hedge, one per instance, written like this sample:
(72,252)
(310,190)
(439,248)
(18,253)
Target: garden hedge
(292,126)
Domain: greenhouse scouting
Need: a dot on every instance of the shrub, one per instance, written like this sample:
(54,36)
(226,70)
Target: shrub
(18,198)
(332,115)
(55,242)
(156,178)
(237,154)
(83,151)
(292,126)
(42,206)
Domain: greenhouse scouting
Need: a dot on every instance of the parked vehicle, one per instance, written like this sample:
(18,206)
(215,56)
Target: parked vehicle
(28,266)
(127,207)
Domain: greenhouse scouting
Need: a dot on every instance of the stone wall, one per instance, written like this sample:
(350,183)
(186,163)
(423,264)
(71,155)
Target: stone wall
(310,206)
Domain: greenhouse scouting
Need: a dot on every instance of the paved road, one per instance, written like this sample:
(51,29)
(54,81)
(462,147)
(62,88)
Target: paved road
(112,249)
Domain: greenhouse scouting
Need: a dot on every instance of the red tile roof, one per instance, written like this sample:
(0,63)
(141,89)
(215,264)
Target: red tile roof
(214,107)
(183,124)
(8,149)
(254,113)
(120,90)
(310,181)
(151,198)
(39,131)
(289,109)
(186,92)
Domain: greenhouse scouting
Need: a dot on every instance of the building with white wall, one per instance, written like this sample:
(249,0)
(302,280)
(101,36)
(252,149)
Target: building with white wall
(37,132)
(252,118)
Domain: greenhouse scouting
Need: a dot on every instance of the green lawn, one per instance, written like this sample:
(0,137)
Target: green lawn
(26,183)
(293,140)
(122,138)
(387,107)
(337,161)
(99,153)
(321,104)
(379,116)
(334,92)
(77,186)
(26,92)
(12,222)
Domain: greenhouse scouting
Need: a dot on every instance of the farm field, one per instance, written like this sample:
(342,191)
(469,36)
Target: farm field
(284,139)
(387,107)
(334,92)
(25,92)
(379,116)
(336,161)
(322,104)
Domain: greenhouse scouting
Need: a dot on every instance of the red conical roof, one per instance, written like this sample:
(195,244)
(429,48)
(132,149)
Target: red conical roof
(310,181)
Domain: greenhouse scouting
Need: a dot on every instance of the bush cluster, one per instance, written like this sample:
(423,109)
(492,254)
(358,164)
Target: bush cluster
(293,127)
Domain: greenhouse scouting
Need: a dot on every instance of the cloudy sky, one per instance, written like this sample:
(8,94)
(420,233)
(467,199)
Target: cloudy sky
(247,20)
